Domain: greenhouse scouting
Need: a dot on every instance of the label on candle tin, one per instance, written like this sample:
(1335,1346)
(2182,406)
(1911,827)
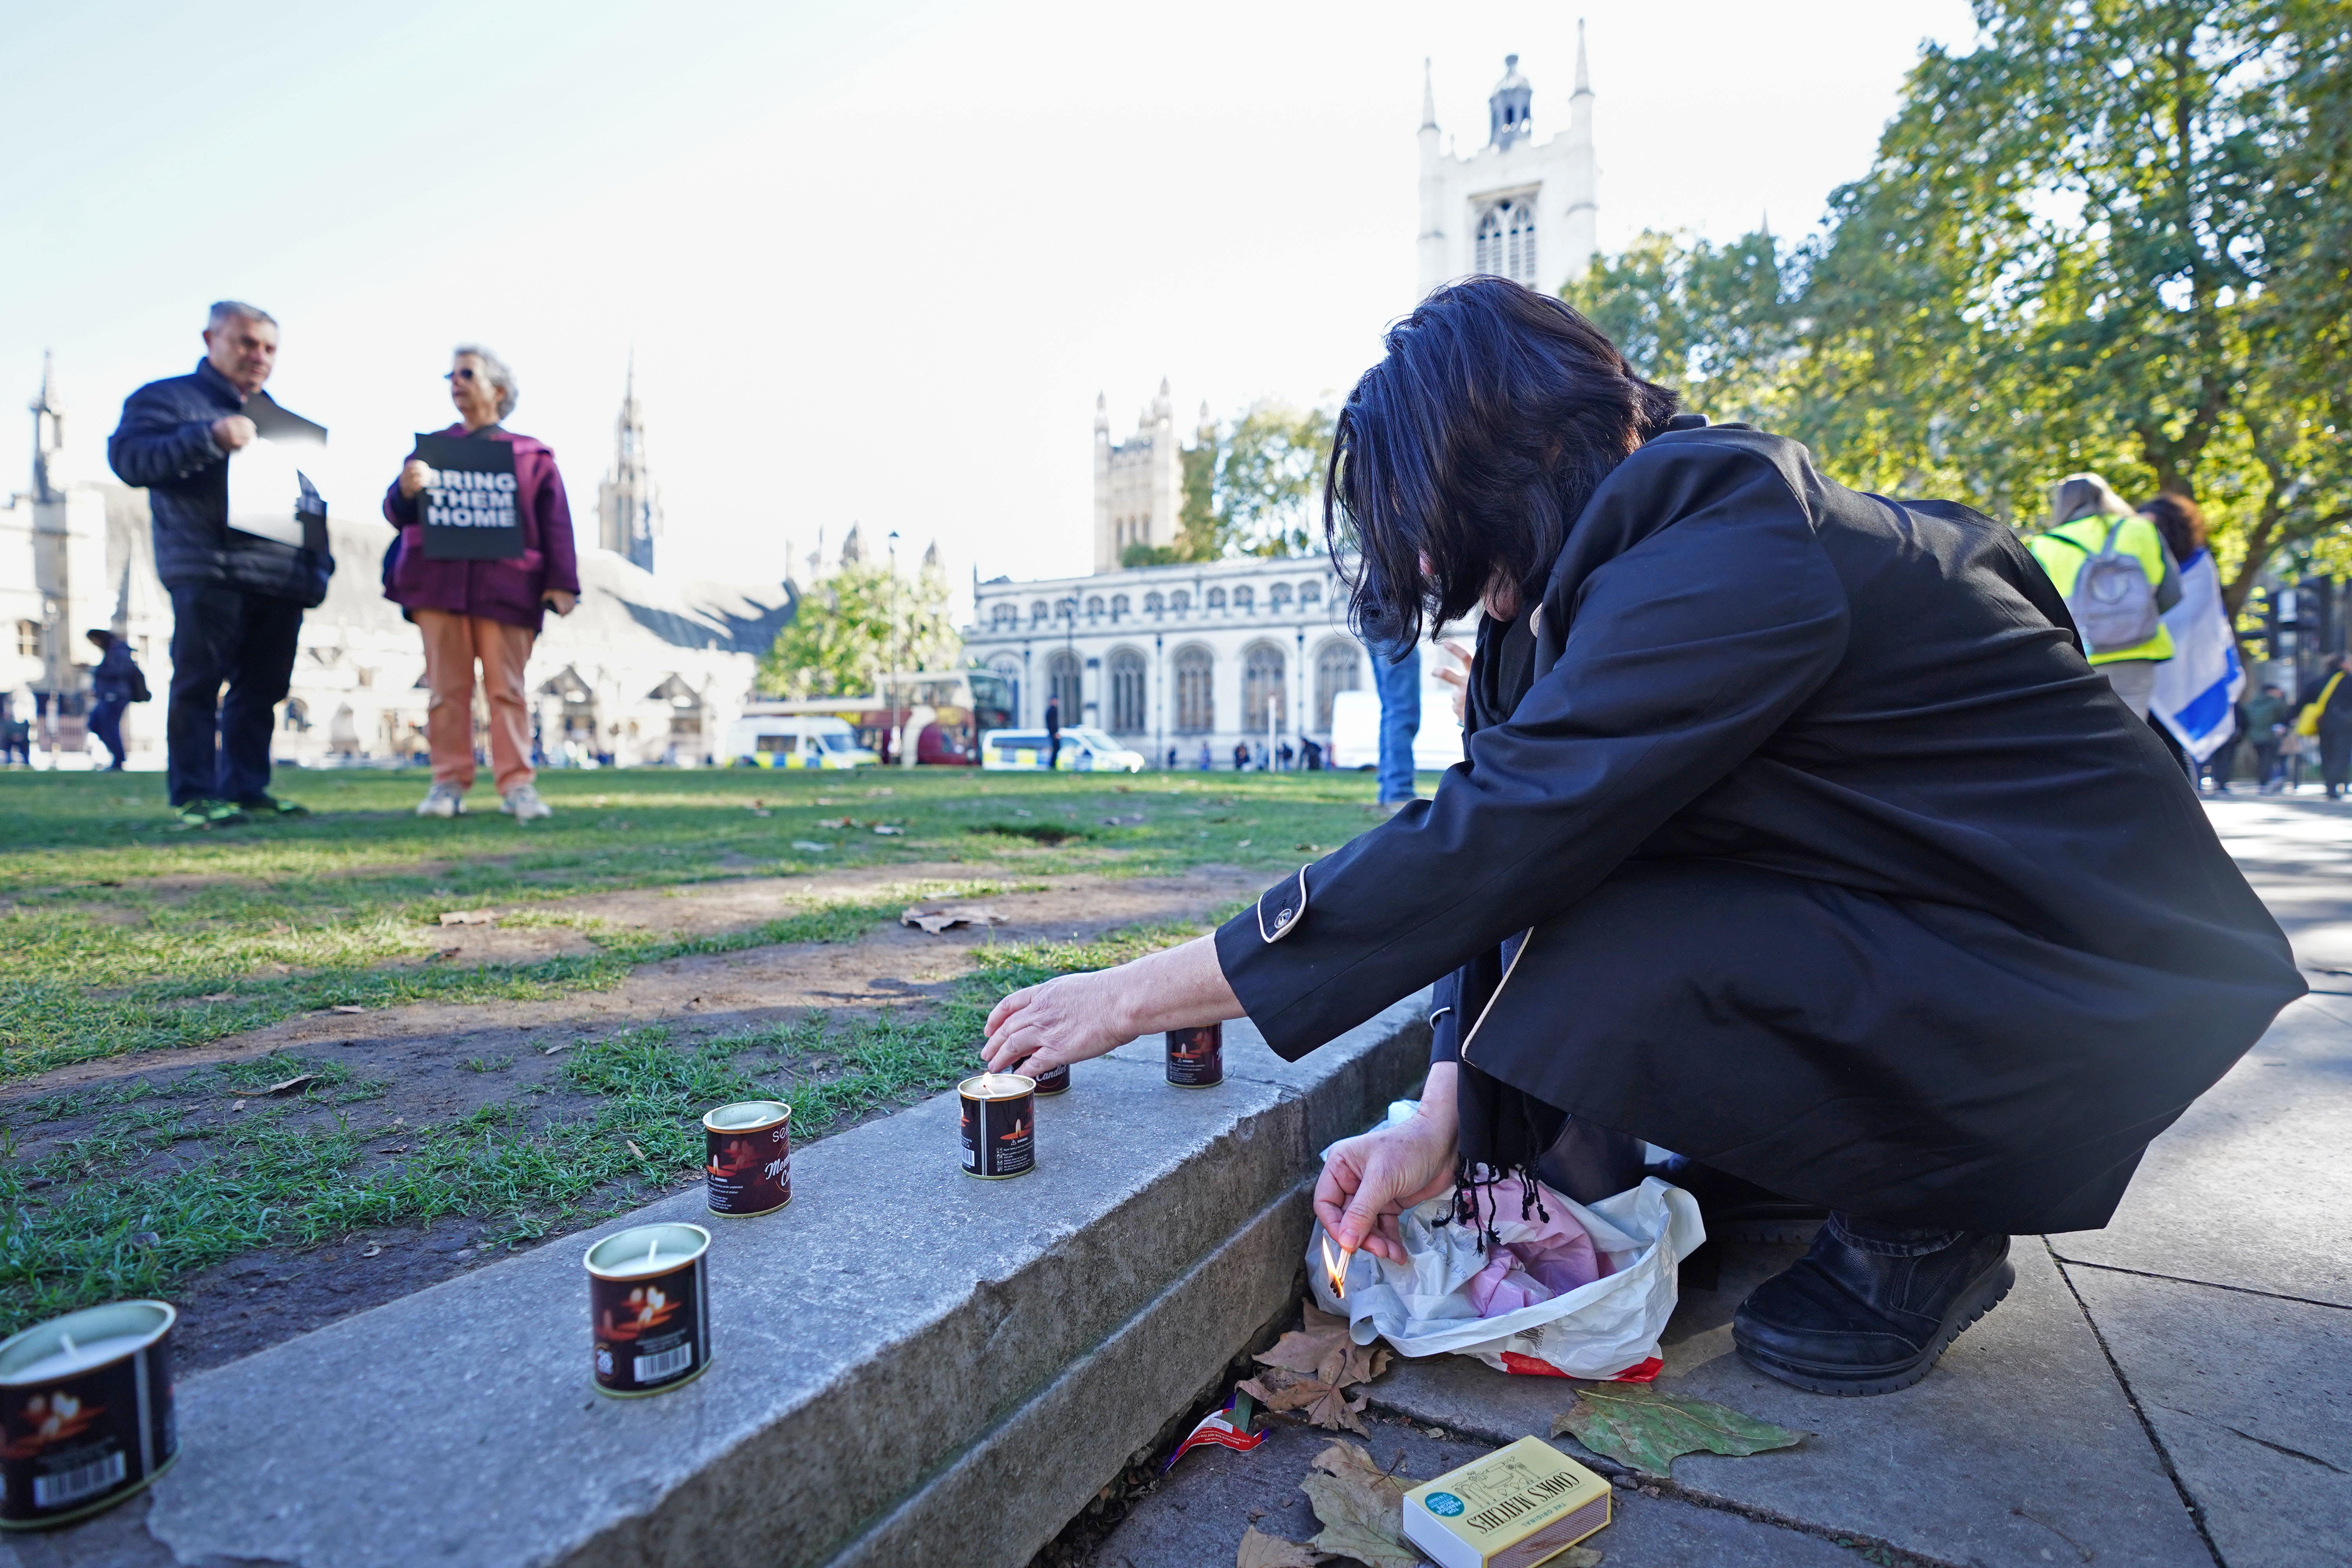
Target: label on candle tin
(1000,1134)
(653,1331)
(1196,1058)
(75,1443)
(748,1169)
(1053,1080)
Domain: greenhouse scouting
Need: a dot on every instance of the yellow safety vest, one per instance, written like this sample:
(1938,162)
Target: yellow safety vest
(2060,557)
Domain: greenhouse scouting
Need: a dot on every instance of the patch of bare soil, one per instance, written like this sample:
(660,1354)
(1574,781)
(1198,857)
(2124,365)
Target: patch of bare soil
(437,1062)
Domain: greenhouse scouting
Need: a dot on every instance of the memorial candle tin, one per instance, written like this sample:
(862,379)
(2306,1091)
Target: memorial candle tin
(649,1300)
(1000,1125)
(85,1411)
(1196,1058)
(1053,1080)
(749,1167)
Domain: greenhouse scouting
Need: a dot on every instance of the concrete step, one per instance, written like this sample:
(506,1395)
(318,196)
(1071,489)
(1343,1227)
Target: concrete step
(910,1366)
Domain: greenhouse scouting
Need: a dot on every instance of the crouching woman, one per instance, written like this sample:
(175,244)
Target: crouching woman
(1795,835)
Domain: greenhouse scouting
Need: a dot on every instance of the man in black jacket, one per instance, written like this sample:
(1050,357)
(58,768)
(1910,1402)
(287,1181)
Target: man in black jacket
(236,598)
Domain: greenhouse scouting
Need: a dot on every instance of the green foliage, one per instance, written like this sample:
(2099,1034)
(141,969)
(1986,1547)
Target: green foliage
(1270,479)
(856,623)
(2112,236)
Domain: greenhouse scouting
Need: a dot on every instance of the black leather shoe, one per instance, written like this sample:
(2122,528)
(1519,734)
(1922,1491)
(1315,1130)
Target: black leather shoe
(1733,1210)
(1870,1308)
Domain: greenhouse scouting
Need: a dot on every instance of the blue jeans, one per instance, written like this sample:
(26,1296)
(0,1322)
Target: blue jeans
(1398,684)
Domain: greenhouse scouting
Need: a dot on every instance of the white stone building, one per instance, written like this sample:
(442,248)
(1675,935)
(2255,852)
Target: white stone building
(644,670)
(1139,482)
(1516,208)
(628,502)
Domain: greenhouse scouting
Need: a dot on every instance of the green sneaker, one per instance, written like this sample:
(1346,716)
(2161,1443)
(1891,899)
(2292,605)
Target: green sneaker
(210,813)
(270,805)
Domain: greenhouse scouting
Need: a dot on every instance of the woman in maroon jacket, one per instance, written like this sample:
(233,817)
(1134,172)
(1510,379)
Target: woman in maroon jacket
(489,611)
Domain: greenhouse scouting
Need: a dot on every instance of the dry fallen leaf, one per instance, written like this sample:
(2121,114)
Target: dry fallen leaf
(884,827)
(1640,1426)
(1321,1349)
(565,1046)
(291,1084)
(371,1251)
(218,997)
(469,917)
(1242,845)
(1579,1557)
(1260,1550)
(238,1106)
(632,1142)
(1361,1506)
(346,1007)
(1325,1405)
(937,918)
(839,822)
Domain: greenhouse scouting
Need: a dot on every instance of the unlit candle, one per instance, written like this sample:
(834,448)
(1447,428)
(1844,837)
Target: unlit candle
(69,1358)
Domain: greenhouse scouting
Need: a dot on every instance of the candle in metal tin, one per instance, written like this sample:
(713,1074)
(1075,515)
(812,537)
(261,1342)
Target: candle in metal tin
(1196,1058)
(748,1168)
(1053,1080)
(1000,1125)
(85,1411)
(649,1305)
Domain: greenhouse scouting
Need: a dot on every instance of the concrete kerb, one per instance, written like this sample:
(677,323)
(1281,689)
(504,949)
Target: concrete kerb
(909,1366)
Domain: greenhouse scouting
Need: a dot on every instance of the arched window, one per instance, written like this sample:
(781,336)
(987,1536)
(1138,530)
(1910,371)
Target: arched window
(1311,594)
(297,714)
(1008,670)
(1334,671)
(1062,686)
(1094,605)
(1126,693)
(1180,601)
(1216,599)
(1261,688)
(1155,604)
(1004,614)
(1505,244)
(1244,598)
(1117,605)
(1522,257)
(1277,598)
(1196,707)
(1488,255)
(1036,612)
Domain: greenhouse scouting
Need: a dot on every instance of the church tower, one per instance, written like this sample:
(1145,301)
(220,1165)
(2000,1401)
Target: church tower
(628,502)
(1517,209)
(1139,482)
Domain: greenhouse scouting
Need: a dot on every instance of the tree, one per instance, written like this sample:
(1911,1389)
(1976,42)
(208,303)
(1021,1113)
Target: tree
(854,624)
(1253,491)
(2112,236)
(1716,324)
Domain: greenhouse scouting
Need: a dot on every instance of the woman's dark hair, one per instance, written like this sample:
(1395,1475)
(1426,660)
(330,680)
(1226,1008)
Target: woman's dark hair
(1476,442)
(2180,522)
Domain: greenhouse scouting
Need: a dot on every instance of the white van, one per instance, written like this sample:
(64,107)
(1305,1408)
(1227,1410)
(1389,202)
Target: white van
(794,740)
(1084,750)
(1356,730)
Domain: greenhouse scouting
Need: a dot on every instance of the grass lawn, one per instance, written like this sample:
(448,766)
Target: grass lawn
(116,923)
(124,933)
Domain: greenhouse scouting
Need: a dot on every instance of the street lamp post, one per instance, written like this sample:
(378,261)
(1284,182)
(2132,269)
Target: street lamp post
(890,646)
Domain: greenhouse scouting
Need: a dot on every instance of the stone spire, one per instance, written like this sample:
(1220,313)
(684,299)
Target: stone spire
(1583,181)
(1428,97)
(628,502)
(48,436)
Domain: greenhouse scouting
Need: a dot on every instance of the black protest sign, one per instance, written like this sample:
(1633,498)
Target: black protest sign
(468,510)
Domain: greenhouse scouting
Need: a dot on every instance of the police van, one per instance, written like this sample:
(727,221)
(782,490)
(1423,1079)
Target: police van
(1084,750)
(795,741)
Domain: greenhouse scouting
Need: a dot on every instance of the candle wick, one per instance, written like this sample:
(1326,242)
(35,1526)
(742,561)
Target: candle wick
(67,1339)
(654,1251)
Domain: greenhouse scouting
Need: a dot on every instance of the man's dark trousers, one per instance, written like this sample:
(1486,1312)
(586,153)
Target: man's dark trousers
(220,746)
(106,724)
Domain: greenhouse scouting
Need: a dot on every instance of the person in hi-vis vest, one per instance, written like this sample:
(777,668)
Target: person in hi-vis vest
(2084,511)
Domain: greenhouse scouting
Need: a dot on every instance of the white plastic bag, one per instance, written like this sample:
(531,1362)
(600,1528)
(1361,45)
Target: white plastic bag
(1597,1331)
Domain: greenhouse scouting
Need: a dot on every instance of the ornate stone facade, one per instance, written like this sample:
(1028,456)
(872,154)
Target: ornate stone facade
(1516,208)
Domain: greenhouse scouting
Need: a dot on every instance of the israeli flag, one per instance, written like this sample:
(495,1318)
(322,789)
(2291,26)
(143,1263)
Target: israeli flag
(2197,689)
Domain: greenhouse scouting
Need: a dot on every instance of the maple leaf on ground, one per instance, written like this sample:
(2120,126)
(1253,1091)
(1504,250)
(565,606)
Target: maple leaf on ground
(1326,1405)
(1321,1349)
(1647,1429)
(1260,1550)
(1361,1507)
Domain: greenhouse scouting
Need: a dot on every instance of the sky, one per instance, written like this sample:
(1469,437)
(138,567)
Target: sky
(874,260)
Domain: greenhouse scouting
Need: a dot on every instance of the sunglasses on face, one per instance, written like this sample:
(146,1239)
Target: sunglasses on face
(463,372)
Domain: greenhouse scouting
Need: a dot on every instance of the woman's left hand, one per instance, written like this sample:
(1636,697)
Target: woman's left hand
(1078,1016)
(559,601)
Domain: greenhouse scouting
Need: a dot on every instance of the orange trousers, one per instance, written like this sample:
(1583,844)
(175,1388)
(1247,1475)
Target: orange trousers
(452,645)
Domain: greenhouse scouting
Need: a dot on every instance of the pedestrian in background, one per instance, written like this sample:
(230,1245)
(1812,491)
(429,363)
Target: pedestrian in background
(484,612)
(2326,717)
(2096,542)
(1397,681)
(236,598)
(1053,733)
(2267,718)
(114,685)
(16,730)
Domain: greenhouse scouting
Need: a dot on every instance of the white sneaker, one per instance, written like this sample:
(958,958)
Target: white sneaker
(442,800)
(522,804)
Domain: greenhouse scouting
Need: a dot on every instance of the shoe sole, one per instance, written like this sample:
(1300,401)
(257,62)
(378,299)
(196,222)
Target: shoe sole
(1982,1296)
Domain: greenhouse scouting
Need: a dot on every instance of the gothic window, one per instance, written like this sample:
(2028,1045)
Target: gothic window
(1004,614)
(1489,252)
(1062,685)
(1126,693)
(1180,601)
(1216,599)
(1506,244)
(1244,598)
(1334,671)
(1036,612)
(1277,598)
(1522,257)
(1117,605)
(1094,605)
(298,715)
(1261,688)
(1311,594)
(1196,708)
(1154,604)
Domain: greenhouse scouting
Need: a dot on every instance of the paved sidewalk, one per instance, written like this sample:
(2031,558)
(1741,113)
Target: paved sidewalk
(2175,1389)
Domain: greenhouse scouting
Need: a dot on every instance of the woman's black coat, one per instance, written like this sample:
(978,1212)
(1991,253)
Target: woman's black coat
(1838,867)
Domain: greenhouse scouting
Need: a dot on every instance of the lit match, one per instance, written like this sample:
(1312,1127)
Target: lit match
(1336,1267)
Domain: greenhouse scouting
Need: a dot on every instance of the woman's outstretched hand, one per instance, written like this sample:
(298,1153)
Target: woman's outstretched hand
(1370,1180)
(1077,1017)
